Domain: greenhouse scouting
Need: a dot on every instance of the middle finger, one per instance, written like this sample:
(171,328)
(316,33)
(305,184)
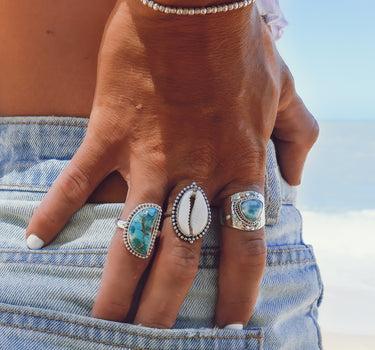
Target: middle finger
(174,267)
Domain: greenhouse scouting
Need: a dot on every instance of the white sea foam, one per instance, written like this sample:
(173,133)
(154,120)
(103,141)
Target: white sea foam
(344,246)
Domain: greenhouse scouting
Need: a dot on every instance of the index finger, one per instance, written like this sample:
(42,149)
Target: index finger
(68,194)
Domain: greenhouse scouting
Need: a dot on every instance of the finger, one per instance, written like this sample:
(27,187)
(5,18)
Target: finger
(242,263)
(123,270)
(68,194)
(173,272)
(294,133)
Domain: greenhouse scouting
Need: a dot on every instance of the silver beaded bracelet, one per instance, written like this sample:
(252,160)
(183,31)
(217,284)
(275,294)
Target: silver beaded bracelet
(185,11)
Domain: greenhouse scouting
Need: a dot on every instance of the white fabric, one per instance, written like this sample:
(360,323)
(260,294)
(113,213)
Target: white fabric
(273,15)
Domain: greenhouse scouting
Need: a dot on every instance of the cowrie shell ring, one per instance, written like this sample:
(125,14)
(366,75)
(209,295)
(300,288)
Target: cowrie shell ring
(191,213)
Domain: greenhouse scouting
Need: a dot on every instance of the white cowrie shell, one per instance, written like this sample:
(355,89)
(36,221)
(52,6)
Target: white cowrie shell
(192,213)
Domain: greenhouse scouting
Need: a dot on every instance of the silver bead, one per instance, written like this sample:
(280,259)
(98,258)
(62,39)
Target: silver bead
(197,11)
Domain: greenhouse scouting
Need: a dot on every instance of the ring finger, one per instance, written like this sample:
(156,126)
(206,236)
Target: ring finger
(129,253)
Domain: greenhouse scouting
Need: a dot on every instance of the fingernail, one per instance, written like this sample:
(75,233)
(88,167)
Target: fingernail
(234,326)
(34,242)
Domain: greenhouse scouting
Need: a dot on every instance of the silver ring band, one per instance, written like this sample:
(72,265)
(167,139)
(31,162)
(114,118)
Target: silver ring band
(244,211)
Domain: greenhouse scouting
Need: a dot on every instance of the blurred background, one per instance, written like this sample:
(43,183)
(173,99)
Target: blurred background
(329,47)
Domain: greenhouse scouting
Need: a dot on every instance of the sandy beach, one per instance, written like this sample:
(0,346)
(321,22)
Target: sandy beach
(343,245)
(337,341)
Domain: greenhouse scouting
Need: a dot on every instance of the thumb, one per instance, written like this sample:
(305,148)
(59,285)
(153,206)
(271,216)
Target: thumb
(295,132)
(68,194)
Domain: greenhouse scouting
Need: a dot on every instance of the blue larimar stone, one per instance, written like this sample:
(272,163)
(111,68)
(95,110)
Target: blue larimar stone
(141,228)
(252,209)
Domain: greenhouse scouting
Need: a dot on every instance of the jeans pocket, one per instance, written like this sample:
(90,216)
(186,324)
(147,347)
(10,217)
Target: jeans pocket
(35,329)
(287,306)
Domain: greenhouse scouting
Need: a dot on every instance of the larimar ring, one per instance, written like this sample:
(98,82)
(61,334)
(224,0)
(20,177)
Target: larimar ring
(191,213)
(247,212)
(141,228)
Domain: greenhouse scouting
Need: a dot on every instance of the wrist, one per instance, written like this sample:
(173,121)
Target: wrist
(197,52)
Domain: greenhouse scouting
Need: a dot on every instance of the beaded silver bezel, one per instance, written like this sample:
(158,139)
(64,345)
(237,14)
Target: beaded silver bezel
(187,11)
(239,220)
(125,224)
(175,210)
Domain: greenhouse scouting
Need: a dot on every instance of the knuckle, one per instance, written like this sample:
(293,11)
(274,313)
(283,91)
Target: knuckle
(313,133)
(252,251)
(245,174)
(74,185)
(184,259)
(111,310)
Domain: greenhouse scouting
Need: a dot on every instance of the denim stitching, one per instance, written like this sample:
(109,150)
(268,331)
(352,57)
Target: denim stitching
(52,253)
(18,185)
(267,265)
(101,266)
(127,332)
(48,263)
(292,262)
(70,336)
(103,253)
(288,250)
(43,123)
(259,342)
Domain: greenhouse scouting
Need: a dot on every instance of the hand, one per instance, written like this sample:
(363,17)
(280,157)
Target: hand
(177,101)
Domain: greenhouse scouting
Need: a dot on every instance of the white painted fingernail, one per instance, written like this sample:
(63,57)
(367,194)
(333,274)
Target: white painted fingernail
(34,242)
(234,326)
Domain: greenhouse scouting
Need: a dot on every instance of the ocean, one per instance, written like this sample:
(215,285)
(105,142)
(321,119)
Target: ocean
(337,201)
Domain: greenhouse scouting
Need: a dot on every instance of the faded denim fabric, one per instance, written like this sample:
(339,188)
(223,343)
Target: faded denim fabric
(46,296)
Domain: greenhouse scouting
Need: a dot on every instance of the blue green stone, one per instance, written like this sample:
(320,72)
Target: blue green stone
(141,228)
(252,208)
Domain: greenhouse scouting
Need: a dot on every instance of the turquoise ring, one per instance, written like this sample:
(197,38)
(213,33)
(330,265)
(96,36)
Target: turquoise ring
(141,228)
(247,212)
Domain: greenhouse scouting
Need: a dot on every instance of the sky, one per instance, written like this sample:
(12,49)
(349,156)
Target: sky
(329,47)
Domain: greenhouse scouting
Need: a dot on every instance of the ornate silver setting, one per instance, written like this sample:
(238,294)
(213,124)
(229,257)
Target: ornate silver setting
(240,220)
(191,213)
(141,228)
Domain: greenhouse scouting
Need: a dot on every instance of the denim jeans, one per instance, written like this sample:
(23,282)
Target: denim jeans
(46,296)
